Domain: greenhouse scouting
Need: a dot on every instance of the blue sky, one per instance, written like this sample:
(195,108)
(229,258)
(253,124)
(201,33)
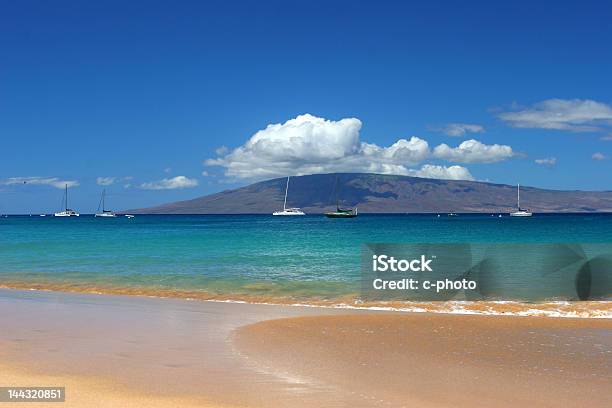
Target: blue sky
(142,94)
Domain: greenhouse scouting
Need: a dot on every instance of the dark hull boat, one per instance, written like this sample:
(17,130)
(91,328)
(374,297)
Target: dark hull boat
(341,212)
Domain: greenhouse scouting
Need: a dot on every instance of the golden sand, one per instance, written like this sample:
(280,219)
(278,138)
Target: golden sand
(135,351)
(158,349)
(91,392)
(426,360)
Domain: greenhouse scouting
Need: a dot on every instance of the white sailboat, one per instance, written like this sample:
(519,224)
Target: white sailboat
(67,212)
(105,213)
(288,211)
(520,212)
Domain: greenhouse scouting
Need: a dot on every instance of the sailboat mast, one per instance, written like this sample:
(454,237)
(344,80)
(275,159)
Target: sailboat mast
(66,197)
(286,190)
(103,200)
(518,196)
(337,195)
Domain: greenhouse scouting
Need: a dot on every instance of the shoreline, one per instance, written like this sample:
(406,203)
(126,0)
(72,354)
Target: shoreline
(132,351)
(553,309)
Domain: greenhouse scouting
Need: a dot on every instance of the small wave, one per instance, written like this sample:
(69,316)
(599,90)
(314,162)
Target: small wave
(584,310)
(561,309)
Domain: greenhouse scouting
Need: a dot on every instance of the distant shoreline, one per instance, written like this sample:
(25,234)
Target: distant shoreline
(504,213)
(384,194)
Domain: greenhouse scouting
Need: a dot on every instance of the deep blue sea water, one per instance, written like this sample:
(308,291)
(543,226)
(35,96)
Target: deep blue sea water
(249,254)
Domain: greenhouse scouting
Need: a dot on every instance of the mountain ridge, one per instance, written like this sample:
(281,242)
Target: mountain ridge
(379,193)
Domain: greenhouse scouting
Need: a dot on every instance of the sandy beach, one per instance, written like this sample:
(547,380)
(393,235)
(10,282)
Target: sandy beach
(134,351)
(322,204)
(431,360)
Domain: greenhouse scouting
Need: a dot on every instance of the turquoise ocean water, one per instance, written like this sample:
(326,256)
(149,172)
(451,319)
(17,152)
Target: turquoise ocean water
(255,255)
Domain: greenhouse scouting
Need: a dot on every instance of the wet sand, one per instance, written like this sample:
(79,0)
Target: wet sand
(135,351)
(426,360)
(158,349)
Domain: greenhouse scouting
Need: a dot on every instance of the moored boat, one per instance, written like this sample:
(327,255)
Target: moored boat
(285,210)
(67,212)
(520,212)
(105,213)
(341,212)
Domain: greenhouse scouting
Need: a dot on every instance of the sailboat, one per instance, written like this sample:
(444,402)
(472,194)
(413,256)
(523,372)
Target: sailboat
(288,211)
(67,212)
(520,212)
(341,212)
(105,212)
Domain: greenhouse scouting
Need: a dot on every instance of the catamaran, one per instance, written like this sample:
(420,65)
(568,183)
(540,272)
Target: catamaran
(105,212)
(341,212)
(67,211)
(288,211)
(520,212)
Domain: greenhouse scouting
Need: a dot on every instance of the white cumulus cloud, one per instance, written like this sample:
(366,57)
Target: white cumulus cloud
(170,183)
(473,151)
(576,115)
(460,129)
(308,145)
(547,161)
(45,181)
(442,172)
